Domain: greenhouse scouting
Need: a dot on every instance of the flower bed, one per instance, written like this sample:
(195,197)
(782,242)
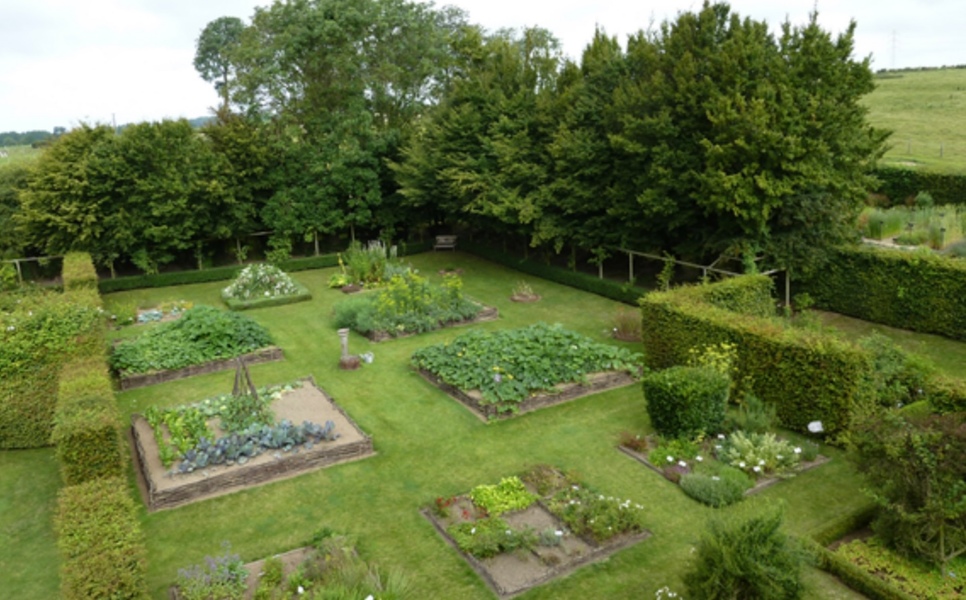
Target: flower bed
(513,371)
(409,304)
(913,577)
(201,335)
(722,470)
(263,285)
(222,444)
(530,529)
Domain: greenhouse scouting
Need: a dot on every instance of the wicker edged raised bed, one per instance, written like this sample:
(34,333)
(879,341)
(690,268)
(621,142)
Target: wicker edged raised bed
(136,380)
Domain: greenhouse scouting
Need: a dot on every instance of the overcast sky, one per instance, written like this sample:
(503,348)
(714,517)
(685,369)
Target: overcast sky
(63,62)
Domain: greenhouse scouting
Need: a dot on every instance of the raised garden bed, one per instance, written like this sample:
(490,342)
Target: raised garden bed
(163,488)
(263,285)
(301,295)
(564,392)
(545,533)
(136,380)
(487,313)
(706,462)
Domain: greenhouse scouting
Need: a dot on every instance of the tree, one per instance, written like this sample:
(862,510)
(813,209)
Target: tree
(749,559)
(13,179)
(916,469)
(213,54)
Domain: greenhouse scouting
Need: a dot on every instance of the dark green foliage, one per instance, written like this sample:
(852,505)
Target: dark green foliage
(900,186)
(853,576)
(719,487)
(920,291)
(202,334)
(946,395)
(839,527)
(752,416)
(100,541)
(136,282)
(79,272)
(750,559)
(602,287)
(686,401)
(87,424)
(807,375)
(916,470)
(751,295)
(897,378)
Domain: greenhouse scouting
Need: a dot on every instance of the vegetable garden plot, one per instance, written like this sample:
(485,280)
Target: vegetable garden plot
(332,438)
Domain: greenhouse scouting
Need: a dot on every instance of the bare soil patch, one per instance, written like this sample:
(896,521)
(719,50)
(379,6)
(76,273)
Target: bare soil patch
(525,298)
(162,489)
(564,392)
(761,484)
(136,380)
(510,574)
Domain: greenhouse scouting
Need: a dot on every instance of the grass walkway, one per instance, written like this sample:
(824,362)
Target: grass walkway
(429,445)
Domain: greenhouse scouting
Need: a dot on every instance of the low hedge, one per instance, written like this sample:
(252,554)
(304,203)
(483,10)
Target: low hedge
(900,185)
(806,375)
(87,424)
(79,272)
(851,575)
(302,295)
(839,527)
(751,295)
(100,541)
(918,290)
(625,293)
(946,395)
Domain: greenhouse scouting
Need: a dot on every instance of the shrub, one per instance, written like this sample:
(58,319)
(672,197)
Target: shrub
(202,334)
(100,541)
(223,577)
(760,454)
(508,495)
(79,272)
(746,559)
(261,286)
(686,401)
(720,487)
(752,415)
(945,394)
(896,377)
(87,424)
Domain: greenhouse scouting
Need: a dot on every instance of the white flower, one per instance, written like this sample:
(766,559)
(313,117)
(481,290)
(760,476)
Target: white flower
(742,464)
(698,458)
(816,427)
(558,533)
(473,531)
(301,590)
(721,436)
(761,462)
(681,463)
(756,469)
(779,457)
(670,459)
(798,450)
(715,478)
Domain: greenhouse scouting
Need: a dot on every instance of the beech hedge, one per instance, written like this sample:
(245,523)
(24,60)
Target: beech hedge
(686,401)
(917,290)
(900,185)
(87,424)
(806,375)
(79,272)
(101,544)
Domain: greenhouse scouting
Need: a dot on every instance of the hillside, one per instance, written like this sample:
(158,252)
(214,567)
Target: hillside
(926,110)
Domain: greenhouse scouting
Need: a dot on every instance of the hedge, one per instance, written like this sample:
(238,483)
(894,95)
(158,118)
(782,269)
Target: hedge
(100,541)
(35,340)
(853,576)
(87,424)
(900,185)
(602,287)
(918,290)
(806,375)
(239,304)
(749,295)
(686,401)
(79,272)
(322,261)
(946,395)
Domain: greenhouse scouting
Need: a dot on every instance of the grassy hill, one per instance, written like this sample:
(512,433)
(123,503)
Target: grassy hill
(19,155)
(926,110)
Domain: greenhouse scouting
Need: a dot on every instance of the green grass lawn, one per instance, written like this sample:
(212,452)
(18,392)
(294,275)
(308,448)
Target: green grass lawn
(427,445)
(19,155)
(924,109)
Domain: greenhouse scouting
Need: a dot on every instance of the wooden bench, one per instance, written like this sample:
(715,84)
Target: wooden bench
(445,242)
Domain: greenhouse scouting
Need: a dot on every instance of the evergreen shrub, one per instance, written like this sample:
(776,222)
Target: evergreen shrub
(100,542)
(686,401)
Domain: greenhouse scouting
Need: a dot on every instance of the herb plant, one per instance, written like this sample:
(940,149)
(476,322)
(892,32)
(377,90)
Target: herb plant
(222,577)
(508,495)
(594,515)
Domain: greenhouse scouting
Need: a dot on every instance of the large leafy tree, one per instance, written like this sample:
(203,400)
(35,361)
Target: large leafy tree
(213,54)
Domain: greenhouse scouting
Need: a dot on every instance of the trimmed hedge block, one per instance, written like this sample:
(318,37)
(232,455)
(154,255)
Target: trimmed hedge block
(686,401)
(79,272)
(901,185)
(920,291)
(100,541)
(87,424)
(946,395)
(748,295)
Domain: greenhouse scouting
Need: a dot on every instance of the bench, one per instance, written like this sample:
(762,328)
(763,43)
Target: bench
(445,242)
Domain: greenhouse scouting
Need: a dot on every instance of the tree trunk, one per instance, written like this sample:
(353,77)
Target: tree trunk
(315,235)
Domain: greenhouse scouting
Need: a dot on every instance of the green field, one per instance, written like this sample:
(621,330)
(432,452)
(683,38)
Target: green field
(427,445)
(924,109)
(18,155)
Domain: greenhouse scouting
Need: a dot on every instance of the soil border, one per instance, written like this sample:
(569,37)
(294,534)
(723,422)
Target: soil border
(487,313)
(598,552)
(473,400)
(137,380)
(759,486)
(243,476)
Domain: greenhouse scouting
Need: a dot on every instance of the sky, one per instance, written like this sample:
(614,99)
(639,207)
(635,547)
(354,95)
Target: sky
(64,62)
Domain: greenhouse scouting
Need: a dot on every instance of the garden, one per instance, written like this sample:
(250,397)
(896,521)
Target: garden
(437,459)
(923,224)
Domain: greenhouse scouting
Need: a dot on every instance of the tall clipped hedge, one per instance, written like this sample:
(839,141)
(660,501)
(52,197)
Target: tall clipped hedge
(36,338)
(79,272)
(685,401)
(920,291)
(900,185)
(100,542)
(805,374)
(751,295)
(87,423)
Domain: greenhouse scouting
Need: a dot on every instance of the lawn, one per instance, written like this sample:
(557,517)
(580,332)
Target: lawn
(924,110)
(427,445)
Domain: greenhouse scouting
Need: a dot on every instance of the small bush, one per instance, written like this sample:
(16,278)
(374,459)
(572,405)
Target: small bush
(686,401)
(508,495)
(721,487)
(100,541)
(946,395)
(746,559)
(752,416)
(223,577)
